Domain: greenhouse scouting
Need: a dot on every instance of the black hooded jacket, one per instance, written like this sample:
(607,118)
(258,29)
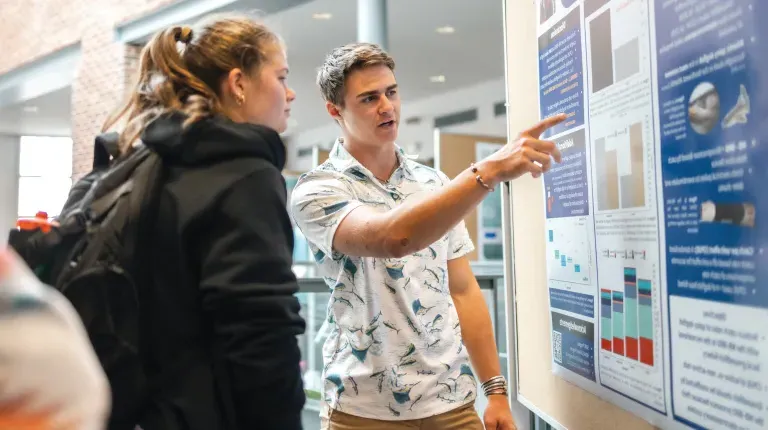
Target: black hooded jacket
(223,353)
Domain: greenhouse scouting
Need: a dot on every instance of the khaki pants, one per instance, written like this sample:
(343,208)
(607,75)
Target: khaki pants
(462,418)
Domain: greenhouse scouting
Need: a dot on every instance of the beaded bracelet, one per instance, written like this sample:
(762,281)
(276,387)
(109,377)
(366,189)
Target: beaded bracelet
(479,178)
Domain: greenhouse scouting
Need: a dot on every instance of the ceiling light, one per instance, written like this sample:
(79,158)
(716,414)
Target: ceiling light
(437,78)
(30,109)
(324,16)
(445,29)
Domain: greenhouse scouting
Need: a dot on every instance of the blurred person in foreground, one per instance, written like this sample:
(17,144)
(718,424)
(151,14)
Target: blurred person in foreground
(50,378)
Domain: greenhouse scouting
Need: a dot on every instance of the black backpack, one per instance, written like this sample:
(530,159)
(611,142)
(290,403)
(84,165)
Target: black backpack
(96,258)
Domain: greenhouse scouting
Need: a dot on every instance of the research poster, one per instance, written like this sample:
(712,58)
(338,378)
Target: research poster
(657,243)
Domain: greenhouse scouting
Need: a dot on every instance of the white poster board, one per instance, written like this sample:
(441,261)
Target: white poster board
(656,230)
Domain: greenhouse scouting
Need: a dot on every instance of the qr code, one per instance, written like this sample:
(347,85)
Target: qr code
(557,346)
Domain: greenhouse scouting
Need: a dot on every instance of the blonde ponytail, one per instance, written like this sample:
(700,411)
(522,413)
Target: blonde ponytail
(181,68)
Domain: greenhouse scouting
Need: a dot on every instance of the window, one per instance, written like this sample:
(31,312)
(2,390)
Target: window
(45,174)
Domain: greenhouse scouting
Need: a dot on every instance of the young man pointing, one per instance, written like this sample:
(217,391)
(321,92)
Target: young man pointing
(411,333)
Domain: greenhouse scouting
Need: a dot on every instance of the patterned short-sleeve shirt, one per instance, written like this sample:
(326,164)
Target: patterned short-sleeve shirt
(395,350)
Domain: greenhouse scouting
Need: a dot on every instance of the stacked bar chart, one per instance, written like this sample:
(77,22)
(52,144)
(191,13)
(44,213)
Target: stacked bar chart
(618,322)
(630,312)
(605,314)
(646,321)
(627,319)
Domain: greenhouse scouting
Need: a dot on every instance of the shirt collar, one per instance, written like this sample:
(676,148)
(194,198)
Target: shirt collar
(343,161)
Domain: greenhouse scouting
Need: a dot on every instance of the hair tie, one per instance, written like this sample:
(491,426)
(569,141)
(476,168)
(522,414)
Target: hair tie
(184,35)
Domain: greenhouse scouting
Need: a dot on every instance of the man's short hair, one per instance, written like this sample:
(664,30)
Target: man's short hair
(342,61)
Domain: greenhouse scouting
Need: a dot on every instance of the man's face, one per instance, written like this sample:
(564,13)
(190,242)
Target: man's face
(371,111)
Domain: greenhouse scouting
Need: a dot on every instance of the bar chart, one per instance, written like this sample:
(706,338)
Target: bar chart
(611,60)
(618,322)
(645,319)
(626,315)
(620,169)
(630,306)
(606,340)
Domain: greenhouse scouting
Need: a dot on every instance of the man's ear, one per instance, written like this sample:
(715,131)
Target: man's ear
(333,111)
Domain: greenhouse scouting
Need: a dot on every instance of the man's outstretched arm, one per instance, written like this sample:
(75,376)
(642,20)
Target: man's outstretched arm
(365,231)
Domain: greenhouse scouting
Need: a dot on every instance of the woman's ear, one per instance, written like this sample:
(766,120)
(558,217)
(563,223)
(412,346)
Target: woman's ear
(234,85)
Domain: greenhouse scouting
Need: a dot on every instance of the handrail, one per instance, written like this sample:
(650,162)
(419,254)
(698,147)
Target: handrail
(486,273)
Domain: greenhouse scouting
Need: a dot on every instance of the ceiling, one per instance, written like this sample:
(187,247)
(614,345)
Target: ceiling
(473,53)
(45,115)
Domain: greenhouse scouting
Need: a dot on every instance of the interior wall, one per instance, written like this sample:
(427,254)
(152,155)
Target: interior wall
(9,184)
(417,137)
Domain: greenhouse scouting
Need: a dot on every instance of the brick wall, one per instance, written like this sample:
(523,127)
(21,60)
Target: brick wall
(35,28)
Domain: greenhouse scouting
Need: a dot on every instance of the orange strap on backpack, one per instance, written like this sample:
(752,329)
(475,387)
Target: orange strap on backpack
(40,221)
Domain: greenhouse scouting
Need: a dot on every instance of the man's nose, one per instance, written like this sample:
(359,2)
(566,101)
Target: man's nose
(385,106)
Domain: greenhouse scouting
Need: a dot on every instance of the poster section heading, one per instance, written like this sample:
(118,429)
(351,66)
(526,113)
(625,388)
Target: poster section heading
(573,344)
(566,186)
(560,73)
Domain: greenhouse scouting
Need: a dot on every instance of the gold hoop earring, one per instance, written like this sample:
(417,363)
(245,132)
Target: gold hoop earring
(240,99)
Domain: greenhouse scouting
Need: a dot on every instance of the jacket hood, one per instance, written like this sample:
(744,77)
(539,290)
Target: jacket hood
(212,139)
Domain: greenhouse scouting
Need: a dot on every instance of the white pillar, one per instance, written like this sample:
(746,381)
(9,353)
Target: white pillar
(9,185)
(372,22)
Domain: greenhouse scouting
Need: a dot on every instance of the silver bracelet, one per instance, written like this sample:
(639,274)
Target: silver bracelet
(495,385)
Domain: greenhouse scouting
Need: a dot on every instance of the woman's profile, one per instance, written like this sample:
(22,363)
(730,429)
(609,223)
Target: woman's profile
(221,349)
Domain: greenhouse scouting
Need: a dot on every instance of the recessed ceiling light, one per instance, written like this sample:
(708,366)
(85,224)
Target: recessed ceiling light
(324,16)
(437,78)
(445,29)
(30,109)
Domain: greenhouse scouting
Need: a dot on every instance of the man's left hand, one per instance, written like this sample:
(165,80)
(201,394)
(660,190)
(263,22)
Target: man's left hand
(497,415)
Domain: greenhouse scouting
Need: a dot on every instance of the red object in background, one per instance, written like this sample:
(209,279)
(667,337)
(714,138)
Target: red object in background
(39,222)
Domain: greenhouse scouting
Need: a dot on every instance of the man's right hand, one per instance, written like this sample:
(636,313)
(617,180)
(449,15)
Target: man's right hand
(526,154)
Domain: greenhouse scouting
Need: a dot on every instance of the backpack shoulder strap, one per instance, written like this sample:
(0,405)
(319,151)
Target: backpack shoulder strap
(143,200)
(105,149)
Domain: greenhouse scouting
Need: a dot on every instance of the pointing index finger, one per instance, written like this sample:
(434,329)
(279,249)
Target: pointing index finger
(545,124)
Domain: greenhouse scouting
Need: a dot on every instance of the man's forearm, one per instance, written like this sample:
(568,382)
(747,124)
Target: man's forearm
(415,225)
(477,332)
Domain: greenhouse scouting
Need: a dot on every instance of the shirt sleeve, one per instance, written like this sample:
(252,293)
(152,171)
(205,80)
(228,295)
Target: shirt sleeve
(319,202)
(459,242)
